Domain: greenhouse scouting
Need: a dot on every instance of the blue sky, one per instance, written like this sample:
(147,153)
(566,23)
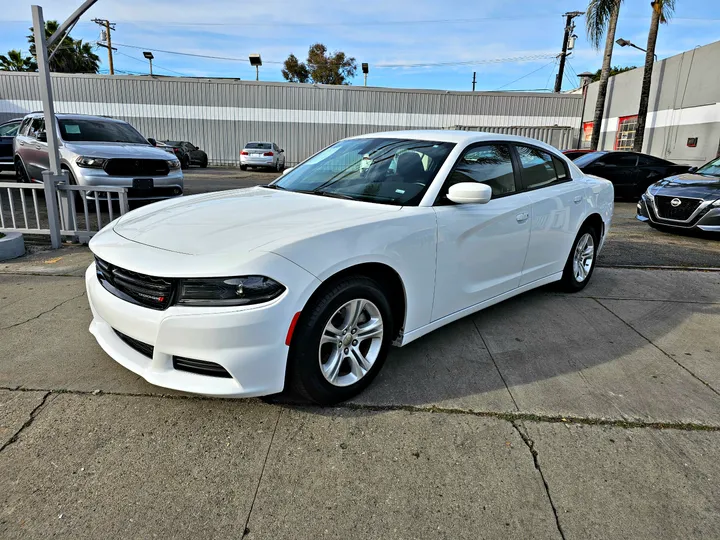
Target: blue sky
(379,32)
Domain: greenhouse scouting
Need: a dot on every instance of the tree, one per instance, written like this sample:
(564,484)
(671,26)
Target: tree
(662,11)
(613,71)
(601,18)
(15,61)
(320,67)
(72,56)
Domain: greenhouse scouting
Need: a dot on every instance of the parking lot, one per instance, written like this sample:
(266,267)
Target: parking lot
(594,415)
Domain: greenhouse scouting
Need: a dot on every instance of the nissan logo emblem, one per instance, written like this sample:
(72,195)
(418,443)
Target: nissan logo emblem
(676,202)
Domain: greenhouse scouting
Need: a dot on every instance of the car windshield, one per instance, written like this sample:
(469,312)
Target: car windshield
(173,143)
(387,171)
(258,145)
(9,129)
(87,130)
(710,169)
(587,159)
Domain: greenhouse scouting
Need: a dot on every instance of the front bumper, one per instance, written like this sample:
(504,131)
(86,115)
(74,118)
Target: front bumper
(164,187)
(248,342)
(706,218)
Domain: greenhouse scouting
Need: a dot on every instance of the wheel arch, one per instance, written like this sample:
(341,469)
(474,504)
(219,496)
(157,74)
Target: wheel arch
(595,220)
(389,280)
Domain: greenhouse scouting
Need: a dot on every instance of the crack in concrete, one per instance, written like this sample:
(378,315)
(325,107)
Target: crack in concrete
(43,313)
(531,446)
(631,327)
(499,415)
(28,422)
(496,365)
(246,530)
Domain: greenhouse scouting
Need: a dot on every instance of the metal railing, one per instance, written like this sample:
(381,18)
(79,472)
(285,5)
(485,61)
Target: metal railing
(77,211)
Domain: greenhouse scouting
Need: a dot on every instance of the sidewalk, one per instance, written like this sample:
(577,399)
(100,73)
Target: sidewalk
(549,416)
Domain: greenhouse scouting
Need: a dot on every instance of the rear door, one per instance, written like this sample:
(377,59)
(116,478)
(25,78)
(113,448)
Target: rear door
(481,247)
(32,149)
(558,209)
(618,167)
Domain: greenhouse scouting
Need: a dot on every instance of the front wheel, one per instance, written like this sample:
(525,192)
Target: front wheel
(341,341)
(581,261)
(20,172)
(204,163)
(185,163)
(243,167)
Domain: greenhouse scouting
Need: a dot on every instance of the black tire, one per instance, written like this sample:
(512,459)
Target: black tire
(204,163)
(569,281)
(243,167)
(77,196)
(20,172)
(278,167)
(185,162)
(304,376)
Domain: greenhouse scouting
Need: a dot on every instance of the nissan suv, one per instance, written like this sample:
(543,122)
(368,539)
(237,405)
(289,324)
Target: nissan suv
(98,151)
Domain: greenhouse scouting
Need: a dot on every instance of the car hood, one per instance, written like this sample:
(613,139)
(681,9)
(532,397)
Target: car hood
(241,220)
(688,185)
(117,150)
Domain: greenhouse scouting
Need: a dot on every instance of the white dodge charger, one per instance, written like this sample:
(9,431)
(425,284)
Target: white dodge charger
(375,241)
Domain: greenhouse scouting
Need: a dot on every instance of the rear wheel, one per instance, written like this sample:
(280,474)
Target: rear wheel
(243,167)
(341,341)
(20,171)
(204,162)
(581,261)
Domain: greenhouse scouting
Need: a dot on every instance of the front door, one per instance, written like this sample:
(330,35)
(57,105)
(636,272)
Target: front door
(481,247)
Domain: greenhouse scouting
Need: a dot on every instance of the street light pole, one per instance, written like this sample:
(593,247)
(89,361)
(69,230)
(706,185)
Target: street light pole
(149,56)
(627,43)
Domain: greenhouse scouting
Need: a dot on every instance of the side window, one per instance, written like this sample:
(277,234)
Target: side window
(24,126)
(649,161)
(489,164)
(538,167)
(37,125)
(619,159)
(560,169)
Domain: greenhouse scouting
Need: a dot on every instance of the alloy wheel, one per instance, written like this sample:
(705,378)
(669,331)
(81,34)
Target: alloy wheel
(583,257)
(351,342)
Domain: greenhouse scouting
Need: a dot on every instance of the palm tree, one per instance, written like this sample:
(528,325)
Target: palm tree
(601,18)
(15,61)
(662,11)
(72,56)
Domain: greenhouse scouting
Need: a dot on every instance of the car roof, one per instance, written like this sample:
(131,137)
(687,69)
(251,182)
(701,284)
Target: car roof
(455,136)
(73,116)
(259,142)
(11,121)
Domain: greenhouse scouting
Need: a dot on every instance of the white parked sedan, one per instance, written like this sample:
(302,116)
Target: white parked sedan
(305,283)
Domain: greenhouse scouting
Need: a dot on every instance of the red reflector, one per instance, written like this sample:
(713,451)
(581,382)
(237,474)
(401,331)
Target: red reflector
(243,153)
(289,336)
(269,154)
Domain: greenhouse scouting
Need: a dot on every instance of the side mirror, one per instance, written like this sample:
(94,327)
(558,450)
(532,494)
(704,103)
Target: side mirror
(692,169)
(152,141)
(285,171)
(282,151)
(42,136)
(470,193)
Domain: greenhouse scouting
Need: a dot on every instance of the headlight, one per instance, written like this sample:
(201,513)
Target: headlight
(238,291)
(174,164)
(91,162)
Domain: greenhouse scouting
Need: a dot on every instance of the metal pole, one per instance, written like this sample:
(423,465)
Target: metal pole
(474,81)
(561,69)
(257,73)
(365,79)
(150,59)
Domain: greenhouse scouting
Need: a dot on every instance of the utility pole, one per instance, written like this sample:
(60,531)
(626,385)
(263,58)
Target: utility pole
(474,81)
(569,27)
(108,41)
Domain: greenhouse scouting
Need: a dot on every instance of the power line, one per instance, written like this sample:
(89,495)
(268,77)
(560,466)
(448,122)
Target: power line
(155,65)
(472,62)
(230,59)
(528,74)
(547,82)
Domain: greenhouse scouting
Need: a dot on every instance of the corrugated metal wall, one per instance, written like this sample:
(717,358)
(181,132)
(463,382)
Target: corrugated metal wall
(222,115)
(560,137)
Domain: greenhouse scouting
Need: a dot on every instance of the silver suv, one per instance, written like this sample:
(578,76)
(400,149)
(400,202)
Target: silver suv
(98,151)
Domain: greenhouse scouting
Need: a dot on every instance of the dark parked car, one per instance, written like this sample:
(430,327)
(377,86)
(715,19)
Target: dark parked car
(8,130)
(631,173)
(685,201)
(188,153)
(572,155)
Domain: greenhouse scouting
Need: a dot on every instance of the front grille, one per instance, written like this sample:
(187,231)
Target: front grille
(139,346)
(137,167)
(149,291)
(200,367)
(683,211)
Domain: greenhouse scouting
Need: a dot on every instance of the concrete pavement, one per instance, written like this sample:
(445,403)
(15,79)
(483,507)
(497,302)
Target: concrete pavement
(548,416)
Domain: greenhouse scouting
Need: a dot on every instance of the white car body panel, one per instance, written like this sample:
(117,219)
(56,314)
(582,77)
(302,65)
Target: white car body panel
(453,260)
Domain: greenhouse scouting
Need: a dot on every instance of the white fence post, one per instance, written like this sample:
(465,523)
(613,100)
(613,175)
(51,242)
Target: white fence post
(50,184)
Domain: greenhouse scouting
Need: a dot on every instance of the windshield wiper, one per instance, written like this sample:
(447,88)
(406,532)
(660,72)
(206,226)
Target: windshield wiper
(274,186)
(335,195)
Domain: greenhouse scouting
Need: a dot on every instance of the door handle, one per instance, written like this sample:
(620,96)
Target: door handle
(522,218)
(578,199)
